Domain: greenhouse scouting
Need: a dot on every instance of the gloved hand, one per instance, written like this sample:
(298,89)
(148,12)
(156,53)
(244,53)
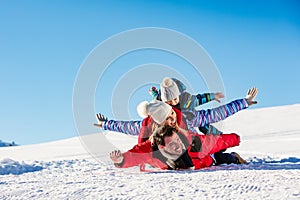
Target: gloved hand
(153,92)
(251,95)
(101,119)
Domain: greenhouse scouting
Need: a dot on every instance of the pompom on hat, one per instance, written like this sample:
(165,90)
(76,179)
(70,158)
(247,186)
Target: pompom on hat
(158,110)
(142,109)
(169,90)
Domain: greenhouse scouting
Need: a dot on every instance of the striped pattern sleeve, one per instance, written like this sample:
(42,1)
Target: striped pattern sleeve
(204,117)
(205,98)
(127,127)
(189,101)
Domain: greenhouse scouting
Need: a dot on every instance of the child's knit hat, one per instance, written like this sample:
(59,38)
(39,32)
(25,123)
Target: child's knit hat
(158,110)
(169,90)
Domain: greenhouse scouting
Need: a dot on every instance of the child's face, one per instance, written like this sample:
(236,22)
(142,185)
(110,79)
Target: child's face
(173,102)
(171,119)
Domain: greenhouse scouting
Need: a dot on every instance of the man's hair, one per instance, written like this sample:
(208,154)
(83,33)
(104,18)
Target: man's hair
(160,134)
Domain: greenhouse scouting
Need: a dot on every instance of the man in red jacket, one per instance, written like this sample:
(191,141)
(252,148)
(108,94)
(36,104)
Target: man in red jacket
(176,148)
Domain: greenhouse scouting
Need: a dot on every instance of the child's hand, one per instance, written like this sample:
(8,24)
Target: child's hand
(116,156)
(251,95)
(153,92)
(218,96)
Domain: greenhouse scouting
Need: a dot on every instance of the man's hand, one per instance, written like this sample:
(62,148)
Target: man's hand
(251,95)
(116,156)
(101,119)
(218,96)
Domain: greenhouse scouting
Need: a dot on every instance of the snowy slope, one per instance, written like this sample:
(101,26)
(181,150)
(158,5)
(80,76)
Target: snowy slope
(67,169)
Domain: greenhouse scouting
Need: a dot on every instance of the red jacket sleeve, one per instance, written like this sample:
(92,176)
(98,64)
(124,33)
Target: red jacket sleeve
(215,144)
(206,161)
(140,154)
(211,144)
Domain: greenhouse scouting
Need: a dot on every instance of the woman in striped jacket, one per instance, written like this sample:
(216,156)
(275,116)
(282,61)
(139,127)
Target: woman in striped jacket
(172,117)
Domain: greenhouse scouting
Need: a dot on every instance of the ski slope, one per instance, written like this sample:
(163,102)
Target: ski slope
(79,167)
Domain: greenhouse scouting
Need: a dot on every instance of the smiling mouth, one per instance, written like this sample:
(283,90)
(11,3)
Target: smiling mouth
(178,151)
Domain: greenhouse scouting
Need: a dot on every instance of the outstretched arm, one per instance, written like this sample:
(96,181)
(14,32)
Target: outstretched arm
(127,127)
(139,154)
(204,117)
(189,101)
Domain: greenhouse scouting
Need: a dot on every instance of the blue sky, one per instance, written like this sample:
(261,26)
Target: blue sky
(44,43)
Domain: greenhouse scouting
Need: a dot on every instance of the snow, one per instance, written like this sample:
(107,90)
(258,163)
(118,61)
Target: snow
(79,167)
(8,166)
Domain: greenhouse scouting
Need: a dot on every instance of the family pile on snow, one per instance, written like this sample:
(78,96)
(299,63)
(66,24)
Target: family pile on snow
(167,138)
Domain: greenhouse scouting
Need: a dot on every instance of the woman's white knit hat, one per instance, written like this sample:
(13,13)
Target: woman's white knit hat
(169,90)
(158,110)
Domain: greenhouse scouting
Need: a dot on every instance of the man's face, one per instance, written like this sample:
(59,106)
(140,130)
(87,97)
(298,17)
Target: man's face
(173,102)
(171,119)
(173,144)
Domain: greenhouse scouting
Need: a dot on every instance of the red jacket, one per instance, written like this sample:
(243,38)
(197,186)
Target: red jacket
(146,130)
(199,148)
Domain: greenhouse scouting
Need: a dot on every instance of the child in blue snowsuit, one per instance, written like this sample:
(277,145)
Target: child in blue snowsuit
(173,92)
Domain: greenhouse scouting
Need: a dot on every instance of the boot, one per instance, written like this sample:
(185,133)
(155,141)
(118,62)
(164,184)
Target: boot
(240,159)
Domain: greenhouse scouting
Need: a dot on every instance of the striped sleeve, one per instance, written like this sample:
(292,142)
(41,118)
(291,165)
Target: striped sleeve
(189,101)
(127,127)
(204,117)
(204,98)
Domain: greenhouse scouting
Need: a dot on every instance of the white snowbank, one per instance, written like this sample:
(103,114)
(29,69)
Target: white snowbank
(8,166)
